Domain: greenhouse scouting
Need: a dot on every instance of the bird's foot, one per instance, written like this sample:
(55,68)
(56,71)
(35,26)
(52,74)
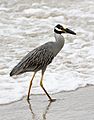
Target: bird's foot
(28,98)
(52,100)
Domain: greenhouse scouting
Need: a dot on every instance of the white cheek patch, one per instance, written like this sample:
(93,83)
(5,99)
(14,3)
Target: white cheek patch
(58,29)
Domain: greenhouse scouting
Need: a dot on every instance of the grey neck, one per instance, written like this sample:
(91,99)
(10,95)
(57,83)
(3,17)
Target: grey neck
(59,43)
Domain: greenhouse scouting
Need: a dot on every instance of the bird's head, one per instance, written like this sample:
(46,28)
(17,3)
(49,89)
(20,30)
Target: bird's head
(59,29)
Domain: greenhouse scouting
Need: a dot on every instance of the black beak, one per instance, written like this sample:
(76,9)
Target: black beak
(70,31)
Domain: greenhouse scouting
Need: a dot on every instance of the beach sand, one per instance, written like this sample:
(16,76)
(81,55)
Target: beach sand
(75,105)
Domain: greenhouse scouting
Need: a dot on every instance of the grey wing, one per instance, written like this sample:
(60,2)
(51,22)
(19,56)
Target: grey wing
(39,59)
(35,60)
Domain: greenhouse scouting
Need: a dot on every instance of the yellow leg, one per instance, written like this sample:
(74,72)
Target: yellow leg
(41,84)
(30,85)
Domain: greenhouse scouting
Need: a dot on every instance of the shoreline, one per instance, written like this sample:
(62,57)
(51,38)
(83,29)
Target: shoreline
(53,94)
(78,105)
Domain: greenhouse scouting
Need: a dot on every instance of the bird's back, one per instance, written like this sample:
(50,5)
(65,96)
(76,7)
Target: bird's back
(36,60)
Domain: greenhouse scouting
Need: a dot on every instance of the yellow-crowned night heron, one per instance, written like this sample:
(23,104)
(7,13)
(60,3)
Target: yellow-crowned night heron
(41,57)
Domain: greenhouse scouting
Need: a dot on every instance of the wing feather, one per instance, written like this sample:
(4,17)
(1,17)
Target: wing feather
(35,60)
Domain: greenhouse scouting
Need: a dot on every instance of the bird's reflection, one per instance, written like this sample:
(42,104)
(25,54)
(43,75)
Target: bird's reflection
(43,115)
(46,110)
(30,107)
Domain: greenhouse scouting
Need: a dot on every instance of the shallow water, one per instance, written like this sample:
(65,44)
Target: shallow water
(25,25)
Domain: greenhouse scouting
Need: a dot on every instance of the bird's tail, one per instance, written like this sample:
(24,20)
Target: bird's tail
(15,71)
(12,73)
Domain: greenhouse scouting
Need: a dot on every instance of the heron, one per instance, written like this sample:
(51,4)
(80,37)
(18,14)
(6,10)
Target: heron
(39,58)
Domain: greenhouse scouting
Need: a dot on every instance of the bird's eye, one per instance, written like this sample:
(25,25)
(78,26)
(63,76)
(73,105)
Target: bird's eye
(61,28)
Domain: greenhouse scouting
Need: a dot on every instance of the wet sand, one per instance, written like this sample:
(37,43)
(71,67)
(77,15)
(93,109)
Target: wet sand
(75,105)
